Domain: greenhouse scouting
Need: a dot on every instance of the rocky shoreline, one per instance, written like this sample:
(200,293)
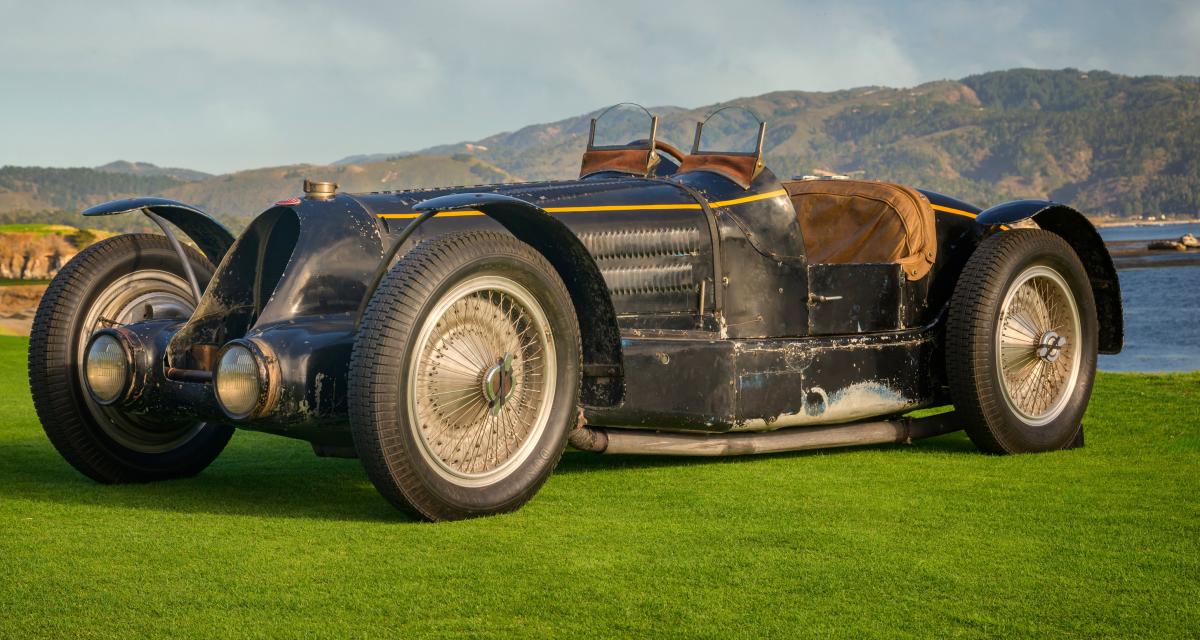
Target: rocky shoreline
(1185,242)
(1133,254)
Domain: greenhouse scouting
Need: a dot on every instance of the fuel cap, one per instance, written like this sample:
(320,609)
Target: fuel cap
(319,190)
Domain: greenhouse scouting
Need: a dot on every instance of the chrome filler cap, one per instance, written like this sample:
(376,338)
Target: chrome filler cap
(319,190)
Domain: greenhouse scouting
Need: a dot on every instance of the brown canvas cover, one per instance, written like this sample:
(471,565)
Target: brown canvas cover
(860,221)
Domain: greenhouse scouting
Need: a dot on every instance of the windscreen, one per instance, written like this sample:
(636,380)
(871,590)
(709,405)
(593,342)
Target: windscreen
(729,130)
(622,125)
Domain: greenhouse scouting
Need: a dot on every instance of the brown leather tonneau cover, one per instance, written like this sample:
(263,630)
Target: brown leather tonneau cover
(859,221)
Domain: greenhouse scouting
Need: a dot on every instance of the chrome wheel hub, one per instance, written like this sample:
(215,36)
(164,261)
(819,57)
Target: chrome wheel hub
(1038,362)
(481,380)
(498,384)
(1051,346)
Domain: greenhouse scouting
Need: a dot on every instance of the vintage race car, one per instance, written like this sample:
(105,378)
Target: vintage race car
(455,340)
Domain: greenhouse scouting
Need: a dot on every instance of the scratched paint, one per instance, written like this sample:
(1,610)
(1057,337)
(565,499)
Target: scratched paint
(855,402)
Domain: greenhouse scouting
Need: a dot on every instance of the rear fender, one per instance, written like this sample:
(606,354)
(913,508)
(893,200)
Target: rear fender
(210,236)
(1079,232)
(603,380)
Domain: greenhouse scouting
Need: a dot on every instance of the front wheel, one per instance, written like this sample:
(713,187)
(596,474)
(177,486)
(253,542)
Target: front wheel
(1021,343)
(464,379)
(117,281)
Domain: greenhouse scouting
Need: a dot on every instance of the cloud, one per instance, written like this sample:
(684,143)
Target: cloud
(224,85)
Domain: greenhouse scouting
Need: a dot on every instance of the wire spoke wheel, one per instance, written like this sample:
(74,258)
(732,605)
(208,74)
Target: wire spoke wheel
(1021,343)
(465,376)
(482,380)
(1037,343)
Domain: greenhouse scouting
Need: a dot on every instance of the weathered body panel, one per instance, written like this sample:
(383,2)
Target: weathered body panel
(763,384)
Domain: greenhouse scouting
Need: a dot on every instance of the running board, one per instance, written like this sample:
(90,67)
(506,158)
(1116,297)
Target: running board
(668,443)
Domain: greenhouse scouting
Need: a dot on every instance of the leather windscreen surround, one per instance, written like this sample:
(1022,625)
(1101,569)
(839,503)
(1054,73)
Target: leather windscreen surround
(638,162)
(857,221)
(741,169)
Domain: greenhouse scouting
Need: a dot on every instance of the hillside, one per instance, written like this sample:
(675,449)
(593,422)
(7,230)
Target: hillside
(1105,142)
(43,188)
(237,197)
(1109,144)
(147,169)
(31,194)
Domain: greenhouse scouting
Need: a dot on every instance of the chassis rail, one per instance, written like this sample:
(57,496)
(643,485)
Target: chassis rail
(632,441)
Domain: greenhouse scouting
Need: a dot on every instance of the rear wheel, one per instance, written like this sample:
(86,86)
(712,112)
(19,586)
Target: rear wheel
(464,379)
(1021,343)
(116,281)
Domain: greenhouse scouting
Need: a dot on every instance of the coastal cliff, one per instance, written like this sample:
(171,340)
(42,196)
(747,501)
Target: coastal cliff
(37,252)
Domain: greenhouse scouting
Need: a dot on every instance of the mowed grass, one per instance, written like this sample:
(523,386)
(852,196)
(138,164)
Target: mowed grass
(38,228)
(926,540)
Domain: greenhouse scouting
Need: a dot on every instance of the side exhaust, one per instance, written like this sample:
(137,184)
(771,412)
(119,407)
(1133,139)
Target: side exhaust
(666,443)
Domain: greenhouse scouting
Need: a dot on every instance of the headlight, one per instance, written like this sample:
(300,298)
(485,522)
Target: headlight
(106,368)
(239,381)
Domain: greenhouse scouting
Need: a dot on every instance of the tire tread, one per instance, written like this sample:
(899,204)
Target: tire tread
(50,380)
(969,332)
(376,364)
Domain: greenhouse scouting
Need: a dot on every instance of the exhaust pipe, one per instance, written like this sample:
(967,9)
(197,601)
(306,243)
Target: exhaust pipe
(667,443)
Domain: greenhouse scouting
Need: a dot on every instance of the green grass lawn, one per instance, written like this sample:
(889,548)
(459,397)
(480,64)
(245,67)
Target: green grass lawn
(38,228)
(901,541)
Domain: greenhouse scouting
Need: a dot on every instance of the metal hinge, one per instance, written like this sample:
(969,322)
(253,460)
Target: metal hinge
(812,298)
(601,370)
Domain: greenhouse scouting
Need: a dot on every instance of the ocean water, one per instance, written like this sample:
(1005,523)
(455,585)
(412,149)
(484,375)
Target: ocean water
(1149,232)
(1162,320)
(1162,308)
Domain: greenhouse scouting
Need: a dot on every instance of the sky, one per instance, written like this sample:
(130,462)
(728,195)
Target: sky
(222,86)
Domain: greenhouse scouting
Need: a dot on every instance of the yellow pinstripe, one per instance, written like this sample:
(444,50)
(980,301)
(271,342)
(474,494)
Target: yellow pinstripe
(612,207)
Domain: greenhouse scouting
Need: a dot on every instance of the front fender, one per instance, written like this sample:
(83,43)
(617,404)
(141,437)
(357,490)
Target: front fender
(210,236)
(310,259)
(1079,232)
(600,336)
(1015,211)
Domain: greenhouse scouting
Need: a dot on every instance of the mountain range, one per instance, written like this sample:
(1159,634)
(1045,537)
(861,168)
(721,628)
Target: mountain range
(1107,143)
(147,169)
(48,195)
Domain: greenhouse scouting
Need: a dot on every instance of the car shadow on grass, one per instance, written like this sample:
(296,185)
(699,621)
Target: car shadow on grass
(242,484)
(280,480)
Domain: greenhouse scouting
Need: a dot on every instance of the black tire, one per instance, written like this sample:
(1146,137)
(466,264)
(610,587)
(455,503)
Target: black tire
(79,431)
(992,412)
(397,458)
